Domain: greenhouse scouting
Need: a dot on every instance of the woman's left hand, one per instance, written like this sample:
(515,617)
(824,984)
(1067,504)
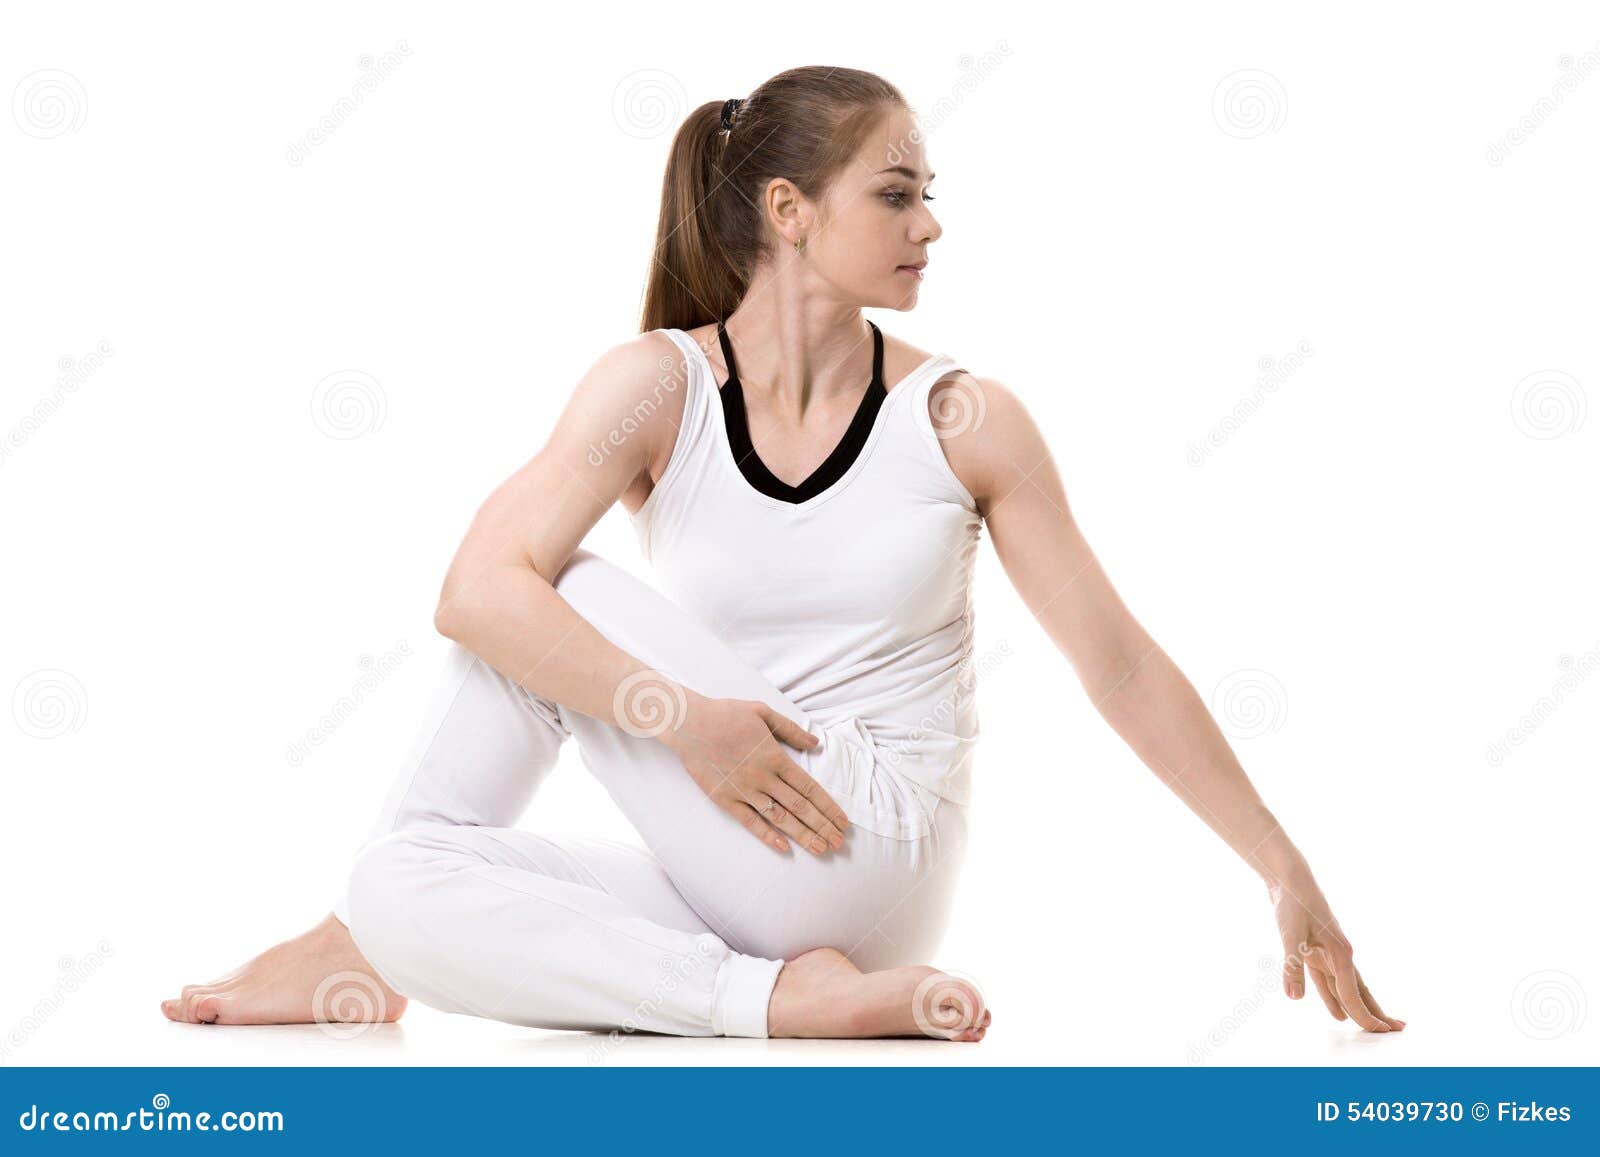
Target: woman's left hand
(1313,941)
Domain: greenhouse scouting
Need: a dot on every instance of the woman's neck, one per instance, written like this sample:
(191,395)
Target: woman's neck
(794,351)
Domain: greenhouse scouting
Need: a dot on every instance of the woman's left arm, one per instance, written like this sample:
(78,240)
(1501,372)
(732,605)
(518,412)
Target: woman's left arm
(999,454)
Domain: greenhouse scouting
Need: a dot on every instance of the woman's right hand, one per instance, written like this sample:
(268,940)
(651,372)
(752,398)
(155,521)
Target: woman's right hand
(730,747)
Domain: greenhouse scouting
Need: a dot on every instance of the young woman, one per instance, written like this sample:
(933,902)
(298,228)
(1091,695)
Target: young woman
(811,492)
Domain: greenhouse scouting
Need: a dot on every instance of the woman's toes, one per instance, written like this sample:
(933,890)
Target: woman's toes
(169,1009)
(188,1003)
(208,1009)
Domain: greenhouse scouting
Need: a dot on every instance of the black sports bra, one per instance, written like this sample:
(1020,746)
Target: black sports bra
(834,466)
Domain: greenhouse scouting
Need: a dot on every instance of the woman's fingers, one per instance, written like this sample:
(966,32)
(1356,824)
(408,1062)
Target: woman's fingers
(1294,973)
(806,812)
(757,826)
(788,730)
(1344,983)
(795,776)
(1395,1023)
(809,790)
(1325,990)
(786,821)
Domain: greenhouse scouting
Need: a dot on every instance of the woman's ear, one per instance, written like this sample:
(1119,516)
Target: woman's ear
(787,209)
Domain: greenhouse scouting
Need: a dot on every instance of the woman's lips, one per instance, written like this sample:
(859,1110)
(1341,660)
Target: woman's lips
(911,269)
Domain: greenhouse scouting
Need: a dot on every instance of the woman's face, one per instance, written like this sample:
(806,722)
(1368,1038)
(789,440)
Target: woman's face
(875,220)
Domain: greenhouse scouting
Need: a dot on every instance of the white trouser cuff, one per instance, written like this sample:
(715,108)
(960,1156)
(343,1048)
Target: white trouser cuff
(744,987)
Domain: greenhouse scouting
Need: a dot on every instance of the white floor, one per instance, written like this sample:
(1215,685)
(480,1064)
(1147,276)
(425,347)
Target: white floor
(113,1019)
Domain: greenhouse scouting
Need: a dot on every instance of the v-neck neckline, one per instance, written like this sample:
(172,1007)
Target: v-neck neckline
(715,413)
(832,469)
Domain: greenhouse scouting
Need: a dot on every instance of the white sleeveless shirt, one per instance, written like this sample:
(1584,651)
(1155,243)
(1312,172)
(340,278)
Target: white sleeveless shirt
(856,602)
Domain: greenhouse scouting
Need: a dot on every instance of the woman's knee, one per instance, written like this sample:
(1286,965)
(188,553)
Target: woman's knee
(382,893)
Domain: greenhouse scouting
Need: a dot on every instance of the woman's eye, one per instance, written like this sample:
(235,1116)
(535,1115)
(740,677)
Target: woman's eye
(898,197)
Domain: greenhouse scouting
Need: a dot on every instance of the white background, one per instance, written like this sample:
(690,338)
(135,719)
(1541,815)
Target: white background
(1377,573)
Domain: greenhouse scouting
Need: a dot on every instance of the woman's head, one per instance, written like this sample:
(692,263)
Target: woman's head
(827,157)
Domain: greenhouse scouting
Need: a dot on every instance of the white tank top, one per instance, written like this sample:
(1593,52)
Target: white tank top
(856,602)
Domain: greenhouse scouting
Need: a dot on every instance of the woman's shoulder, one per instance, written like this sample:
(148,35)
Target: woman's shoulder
(901,358)
(981,425)
(637,384)
(637,387)
(643,365)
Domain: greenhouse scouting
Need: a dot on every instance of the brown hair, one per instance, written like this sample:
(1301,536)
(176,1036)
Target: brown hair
(804,125)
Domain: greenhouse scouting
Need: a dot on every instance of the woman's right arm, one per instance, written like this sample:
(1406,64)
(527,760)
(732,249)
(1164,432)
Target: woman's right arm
(499,601)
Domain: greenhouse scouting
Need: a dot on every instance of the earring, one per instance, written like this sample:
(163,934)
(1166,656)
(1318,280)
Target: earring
(800,245)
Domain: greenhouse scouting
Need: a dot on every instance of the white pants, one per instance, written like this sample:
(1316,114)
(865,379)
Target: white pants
(456,908)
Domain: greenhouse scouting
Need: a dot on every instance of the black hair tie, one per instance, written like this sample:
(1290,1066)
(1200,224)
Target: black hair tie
(729,108)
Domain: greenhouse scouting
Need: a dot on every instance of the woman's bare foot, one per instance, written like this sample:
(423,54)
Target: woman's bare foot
(320,976)
(821,994)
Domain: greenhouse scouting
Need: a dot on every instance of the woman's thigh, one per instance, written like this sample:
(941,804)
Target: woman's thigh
(883,899)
